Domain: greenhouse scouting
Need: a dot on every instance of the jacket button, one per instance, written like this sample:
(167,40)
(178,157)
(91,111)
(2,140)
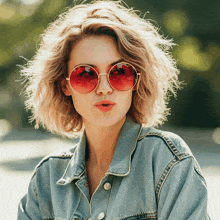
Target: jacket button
(107,186)
(101,215)
(89,219)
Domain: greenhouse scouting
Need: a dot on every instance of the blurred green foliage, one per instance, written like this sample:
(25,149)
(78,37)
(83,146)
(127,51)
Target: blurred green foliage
(193,24)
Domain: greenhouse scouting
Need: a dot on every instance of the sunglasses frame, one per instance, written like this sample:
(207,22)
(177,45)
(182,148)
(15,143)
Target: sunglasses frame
(102,74)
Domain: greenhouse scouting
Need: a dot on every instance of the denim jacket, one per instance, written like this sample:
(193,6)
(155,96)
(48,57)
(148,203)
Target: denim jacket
(153,175)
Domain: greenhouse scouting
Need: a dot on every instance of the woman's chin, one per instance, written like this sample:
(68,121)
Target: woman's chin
(105,121)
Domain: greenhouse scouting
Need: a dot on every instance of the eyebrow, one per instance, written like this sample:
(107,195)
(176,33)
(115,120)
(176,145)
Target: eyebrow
(112,64)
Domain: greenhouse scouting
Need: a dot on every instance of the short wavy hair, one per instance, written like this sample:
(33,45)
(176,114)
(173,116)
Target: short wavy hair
(138,42)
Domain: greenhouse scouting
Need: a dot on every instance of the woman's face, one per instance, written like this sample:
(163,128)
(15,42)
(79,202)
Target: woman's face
(101,52)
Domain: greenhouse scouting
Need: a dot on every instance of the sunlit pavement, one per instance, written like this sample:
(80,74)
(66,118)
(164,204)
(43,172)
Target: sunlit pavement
(22,150)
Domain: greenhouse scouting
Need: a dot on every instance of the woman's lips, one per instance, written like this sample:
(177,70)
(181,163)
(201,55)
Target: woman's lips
(105,105)
(104,108)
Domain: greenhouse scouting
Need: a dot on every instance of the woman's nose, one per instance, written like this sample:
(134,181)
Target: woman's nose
(104,86)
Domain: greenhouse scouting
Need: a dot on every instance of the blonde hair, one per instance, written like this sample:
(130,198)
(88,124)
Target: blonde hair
(138,42)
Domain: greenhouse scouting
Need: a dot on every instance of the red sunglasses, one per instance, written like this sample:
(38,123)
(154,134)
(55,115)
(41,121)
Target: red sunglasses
(121,76)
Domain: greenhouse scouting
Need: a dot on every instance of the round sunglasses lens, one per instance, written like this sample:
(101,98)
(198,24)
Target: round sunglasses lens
(83,79)
(122,76)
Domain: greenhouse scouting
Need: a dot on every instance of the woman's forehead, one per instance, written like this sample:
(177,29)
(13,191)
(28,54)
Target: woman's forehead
(95,51)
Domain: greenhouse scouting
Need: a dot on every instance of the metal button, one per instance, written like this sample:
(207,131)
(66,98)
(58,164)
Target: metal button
(107,186)
(89,219)
(101,215)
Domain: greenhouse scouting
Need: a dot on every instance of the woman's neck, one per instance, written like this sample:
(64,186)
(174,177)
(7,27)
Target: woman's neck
(101,143)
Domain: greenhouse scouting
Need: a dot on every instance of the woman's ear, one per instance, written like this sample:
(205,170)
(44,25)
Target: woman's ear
(64,86)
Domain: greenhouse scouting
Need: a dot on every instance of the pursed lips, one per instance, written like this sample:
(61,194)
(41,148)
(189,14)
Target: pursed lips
(105,105)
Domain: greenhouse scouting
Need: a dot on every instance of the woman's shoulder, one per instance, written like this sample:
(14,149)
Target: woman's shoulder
(58,158)
(165,142)
(162,151)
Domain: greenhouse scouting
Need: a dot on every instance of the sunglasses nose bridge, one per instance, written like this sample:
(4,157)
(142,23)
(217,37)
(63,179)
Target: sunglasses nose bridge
(104,85)
(106,78)
(103,74)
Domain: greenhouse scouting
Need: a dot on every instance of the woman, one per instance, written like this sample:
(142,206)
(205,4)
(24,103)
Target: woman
(103,71)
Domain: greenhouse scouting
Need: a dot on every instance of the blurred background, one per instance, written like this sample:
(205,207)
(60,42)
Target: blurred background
(195,113)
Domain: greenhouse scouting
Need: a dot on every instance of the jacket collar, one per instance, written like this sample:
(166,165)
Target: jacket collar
(120,165)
